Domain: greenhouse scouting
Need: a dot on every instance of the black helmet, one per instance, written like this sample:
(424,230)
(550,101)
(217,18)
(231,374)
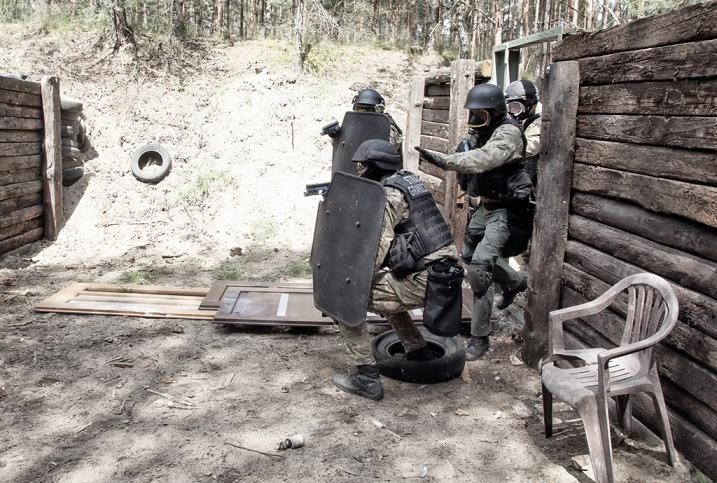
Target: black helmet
(486,96)
(380,153)
(522,90)
(368,97)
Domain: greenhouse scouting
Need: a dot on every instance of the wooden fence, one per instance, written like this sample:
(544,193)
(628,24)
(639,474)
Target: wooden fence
(438,121)
(30,163)
(629,184)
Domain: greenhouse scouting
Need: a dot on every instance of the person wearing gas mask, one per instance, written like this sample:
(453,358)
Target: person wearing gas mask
(369,100)
(489,163)
(522,99)
(412,225)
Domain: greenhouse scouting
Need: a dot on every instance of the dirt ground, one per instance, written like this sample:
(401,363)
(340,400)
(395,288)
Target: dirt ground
(94,398)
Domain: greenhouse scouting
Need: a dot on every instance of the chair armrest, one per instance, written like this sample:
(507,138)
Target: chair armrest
(608,355)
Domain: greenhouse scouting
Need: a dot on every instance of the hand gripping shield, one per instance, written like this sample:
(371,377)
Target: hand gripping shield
(346,236)
(356,128)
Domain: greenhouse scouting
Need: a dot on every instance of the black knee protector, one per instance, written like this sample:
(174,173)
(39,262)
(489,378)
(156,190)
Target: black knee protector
(480,278)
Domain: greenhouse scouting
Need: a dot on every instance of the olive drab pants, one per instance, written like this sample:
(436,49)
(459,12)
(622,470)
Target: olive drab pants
(486,235)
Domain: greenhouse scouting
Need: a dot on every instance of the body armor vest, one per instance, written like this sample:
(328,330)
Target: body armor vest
(531,163)
(507,183)
(430,231)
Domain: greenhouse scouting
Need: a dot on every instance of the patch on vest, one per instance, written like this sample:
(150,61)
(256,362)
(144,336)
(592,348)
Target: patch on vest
(414,186)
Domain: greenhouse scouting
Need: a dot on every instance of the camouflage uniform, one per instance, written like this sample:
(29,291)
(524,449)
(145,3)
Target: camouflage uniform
(532,139)
(390,296)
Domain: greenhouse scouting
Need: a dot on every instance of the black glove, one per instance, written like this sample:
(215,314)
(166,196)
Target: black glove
(431,157)
(332,130)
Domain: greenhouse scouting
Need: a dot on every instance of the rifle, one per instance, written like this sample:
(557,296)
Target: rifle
(317,189)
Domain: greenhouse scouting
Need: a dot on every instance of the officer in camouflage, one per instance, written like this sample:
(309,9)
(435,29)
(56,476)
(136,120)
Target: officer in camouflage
(490,167)
(522,100)
(409,209)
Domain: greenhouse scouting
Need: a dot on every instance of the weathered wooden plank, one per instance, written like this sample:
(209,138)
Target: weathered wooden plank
(20,123)
(435,115)
(20,240)
(20,189)
(668,230)
(697,22)
(20,149)
(438,102)
(19,85)
(20,175)
(52,168)
(14,204)
(434,90)
(20,111)
(435,144)
(681,132)
(697,310)
(20,98)
(665,98)
(550,228)
(695,202)
(692,166)
(693,60)
(690,340)
(412,136)
(21,215)
(693,409)
(435,129)
(20,136)
(481,72)
(433,170)
(687,270)
(21,227)
(689,439)
(14,163)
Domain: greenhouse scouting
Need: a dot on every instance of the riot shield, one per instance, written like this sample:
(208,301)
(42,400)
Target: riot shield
(346,235)
(356,128)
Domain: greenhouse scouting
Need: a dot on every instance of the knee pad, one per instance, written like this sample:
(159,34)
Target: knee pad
(480,278)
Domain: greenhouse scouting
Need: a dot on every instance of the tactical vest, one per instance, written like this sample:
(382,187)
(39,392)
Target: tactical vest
(531,163)
(424,220)
(507,183)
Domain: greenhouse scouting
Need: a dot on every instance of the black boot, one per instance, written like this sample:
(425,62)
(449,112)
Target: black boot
(504,300)
(365,383)
(476,347)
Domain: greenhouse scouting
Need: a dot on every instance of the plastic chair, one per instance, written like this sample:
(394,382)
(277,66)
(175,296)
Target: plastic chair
(618,372)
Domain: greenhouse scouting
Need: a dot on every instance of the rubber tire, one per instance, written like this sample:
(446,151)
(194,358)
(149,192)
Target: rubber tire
(151,176)
(449,366)
(72,171)
(70,105)
(71,152)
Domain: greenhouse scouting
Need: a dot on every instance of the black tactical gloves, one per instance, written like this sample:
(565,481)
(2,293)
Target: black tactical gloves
(332,130)
(431,157)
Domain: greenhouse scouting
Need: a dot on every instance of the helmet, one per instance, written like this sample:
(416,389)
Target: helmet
(486,96)
(369,98)
(522,90)
(380,153)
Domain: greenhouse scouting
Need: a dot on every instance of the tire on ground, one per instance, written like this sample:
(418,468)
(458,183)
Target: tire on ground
(68,105)
(151,163)
(72,171)
(389,355)
(71,152)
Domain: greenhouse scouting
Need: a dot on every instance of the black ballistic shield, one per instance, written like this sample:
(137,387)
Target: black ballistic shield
(356,128)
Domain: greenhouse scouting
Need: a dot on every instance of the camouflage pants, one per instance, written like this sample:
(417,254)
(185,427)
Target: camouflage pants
(392,298)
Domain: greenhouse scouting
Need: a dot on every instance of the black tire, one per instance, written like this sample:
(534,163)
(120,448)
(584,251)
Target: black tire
(71,152)
(389,355)
(70,163)
(69,143)
(70,105)
(68,132)
(151,163)
(72,171)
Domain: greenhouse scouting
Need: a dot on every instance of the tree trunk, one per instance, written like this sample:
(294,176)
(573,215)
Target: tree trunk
(299,55)
(122,32)
(179,27)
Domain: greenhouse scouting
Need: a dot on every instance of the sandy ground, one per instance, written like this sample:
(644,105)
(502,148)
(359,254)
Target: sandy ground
(93,398)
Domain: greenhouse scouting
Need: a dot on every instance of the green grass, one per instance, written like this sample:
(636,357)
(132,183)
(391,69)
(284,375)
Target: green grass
(263,265)
(201,184)
(144,276)
(264,230)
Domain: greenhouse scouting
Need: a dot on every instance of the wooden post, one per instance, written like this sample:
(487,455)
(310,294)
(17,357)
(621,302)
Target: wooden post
(52,166)
(462,80)
(550,230)
(413,124)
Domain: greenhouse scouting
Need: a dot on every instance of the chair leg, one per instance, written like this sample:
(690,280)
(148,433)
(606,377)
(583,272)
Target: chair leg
(597,431)
(548,412)
(624,412)
(659,401)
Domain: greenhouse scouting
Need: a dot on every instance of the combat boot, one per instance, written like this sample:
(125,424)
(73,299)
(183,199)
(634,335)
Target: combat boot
(477,346)
(504,300)
(365,383)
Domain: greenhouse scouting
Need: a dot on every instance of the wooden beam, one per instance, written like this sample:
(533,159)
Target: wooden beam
(20,189)
(668,230)
(21,227)
(20,98)
(20,175)
(20,240)
(52,179)
(20,111)
(13,204)
(661,162)
(436,144)
(412,136)
(440,102)
(692,201)
(697,22)
(481,71)
(20,123)
(20,136)
(550,227)
(438,90)
(435,129)
(14,163)
(21,215)
(435,115)
(19,149)
(697,310)
(694,60)
(19,85)
(666,98)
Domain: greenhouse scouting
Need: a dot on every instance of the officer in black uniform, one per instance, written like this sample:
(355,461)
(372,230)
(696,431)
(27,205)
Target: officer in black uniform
(490,165)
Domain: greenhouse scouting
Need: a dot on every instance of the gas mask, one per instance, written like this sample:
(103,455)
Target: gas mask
(517,109)
(478,118)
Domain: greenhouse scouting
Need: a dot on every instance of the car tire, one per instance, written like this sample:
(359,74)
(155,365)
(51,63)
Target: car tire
(390,358)
(151,163)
